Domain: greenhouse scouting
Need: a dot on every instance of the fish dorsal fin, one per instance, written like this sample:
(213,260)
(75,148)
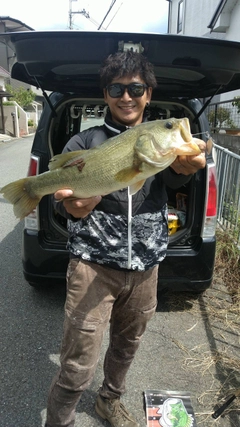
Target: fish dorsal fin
(66,159)
(134,188)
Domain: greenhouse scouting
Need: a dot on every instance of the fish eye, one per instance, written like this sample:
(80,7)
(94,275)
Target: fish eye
(169,125)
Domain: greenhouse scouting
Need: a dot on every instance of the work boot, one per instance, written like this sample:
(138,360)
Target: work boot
(114,412)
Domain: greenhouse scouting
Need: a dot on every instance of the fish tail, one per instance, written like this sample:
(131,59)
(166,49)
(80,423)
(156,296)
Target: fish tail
(18,193)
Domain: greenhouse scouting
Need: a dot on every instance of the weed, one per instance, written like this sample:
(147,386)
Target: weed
(227,263)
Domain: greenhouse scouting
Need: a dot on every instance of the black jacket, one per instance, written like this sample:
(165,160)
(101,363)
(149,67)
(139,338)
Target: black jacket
(101,237)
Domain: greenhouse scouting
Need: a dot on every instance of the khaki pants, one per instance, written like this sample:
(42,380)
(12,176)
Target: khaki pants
(95,295)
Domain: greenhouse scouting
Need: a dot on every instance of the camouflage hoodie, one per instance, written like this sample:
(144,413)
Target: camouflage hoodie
(102,236)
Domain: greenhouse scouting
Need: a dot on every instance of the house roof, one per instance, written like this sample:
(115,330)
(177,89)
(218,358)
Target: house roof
(3,72)
(12,24)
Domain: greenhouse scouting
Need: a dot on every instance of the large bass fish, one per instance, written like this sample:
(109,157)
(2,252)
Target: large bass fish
(123,161)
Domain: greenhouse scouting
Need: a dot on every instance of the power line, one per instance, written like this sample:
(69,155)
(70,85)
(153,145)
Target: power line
(87,15)
(110,8)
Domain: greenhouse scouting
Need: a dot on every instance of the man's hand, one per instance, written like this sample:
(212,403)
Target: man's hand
(79,208)
(187,165)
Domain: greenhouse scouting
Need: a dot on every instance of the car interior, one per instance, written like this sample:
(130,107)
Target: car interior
(75,114)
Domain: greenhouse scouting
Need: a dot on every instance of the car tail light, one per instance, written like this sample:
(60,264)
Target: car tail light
(31,221)
(210,215)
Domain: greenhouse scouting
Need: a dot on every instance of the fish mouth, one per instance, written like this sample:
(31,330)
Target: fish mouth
(185,149)
(189,146)
(185,130)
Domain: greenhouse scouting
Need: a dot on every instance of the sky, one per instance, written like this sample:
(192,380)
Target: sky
(125,15)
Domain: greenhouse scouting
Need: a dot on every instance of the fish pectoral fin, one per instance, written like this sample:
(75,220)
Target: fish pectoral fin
(127,174)
(134,188)
(73,158)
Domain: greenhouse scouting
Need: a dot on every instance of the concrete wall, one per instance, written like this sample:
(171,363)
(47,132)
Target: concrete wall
(231,142)
(17,125)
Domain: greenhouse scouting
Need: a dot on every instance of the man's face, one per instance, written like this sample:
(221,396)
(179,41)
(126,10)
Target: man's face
(126,109)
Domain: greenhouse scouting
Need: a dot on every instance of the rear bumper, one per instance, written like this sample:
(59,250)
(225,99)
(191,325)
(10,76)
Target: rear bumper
(183,270)
(43,263)
(188,269)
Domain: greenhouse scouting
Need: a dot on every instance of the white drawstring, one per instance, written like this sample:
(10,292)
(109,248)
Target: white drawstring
(129,229)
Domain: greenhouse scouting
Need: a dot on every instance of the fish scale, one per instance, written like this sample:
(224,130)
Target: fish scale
(125,160)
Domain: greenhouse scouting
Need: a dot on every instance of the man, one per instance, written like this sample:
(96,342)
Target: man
(100,288)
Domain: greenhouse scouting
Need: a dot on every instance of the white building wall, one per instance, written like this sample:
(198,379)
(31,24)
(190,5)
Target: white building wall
(20,119)
(197,16)
(233,32)
(2,83)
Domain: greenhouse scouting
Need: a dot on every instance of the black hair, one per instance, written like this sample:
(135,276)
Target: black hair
(128,63)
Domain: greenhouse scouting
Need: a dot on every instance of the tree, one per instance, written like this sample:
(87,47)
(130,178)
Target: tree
(22,96)
(236,103)
(219,117)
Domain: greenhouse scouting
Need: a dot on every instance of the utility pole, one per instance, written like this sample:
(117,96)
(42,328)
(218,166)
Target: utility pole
(86,14)
(82,12)
(71,13)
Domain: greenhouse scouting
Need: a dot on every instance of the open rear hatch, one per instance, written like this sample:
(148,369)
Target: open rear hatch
(69,61)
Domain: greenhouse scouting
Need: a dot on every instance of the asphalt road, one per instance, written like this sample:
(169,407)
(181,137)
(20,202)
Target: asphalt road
(31,328)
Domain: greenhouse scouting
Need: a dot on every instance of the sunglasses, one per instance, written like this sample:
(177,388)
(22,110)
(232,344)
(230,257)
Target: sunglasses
(135,90)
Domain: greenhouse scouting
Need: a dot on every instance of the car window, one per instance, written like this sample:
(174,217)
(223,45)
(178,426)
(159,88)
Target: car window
(91,121)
